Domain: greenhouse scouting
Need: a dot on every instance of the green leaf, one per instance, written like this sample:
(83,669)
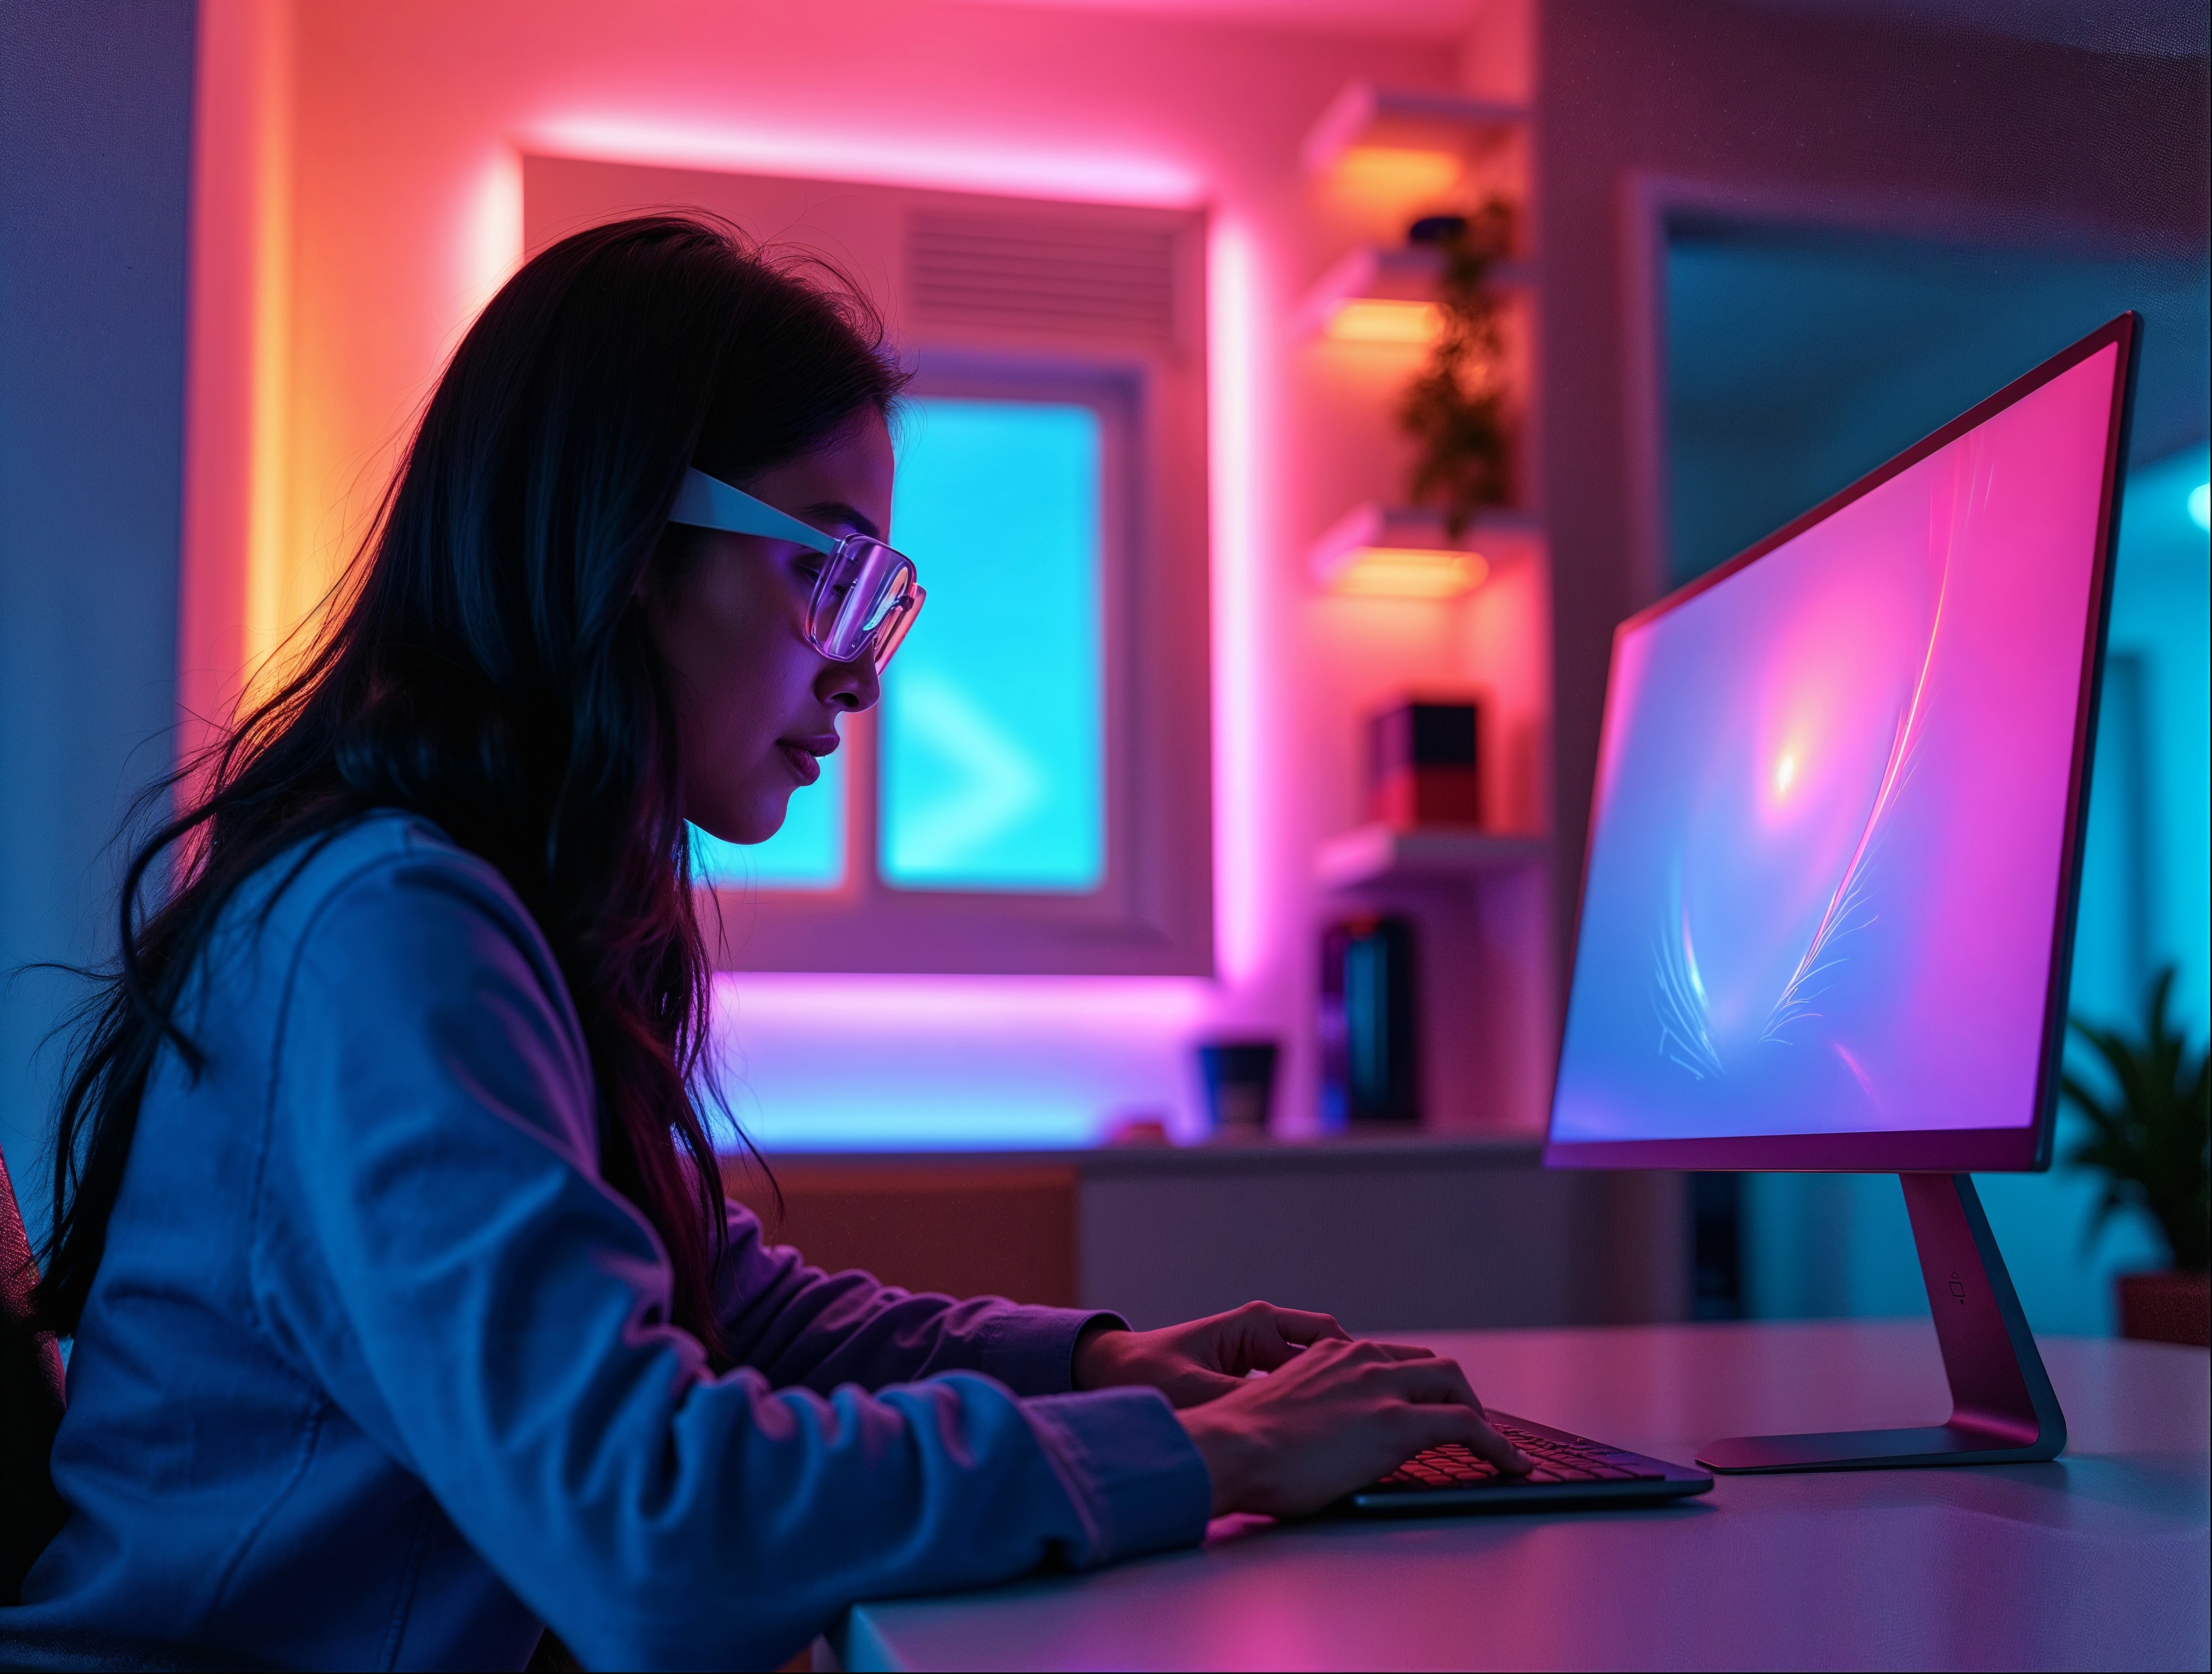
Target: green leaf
(2153,1141)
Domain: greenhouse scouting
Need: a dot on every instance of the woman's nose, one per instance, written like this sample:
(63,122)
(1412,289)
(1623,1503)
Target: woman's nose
(851,685)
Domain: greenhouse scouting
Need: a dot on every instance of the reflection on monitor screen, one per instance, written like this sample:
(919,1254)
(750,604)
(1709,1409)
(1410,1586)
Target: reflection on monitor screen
(1831,808)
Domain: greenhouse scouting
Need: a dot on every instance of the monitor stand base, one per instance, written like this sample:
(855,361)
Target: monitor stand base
(2003,1411)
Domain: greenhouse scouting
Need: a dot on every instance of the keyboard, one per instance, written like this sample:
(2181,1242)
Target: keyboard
(1570,1470)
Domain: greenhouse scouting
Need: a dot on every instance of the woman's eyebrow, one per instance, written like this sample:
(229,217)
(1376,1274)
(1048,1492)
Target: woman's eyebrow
(839,511)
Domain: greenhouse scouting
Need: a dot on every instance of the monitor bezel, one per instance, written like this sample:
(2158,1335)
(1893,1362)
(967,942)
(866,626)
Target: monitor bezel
(1960,1150)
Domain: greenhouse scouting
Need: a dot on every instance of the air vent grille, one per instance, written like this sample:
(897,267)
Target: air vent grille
(1063,277)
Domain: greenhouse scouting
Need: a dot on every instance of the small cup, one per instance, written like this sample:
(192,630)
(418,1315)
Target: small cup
(1240,1083)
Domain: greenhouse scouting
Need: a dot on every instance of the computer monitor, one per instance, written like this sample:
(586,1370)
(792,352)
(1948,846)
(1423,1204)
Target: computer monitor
(1834,854)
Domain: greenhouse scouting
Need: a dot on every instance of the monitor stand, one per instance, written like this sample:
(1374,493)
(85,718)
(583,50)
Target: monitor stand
(2003,1411)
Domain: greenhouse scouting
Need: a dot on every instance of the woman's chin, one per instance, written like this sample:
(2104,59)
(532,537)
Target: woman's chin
(755,820)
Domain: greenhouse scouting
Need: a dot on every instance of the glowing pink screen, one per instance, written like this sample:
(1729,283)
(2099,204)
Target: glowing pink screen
(1825,860)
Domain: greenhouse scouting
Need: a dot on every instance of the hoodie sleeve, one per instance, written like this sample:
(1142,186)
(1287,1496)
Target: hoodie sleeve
(435,1242)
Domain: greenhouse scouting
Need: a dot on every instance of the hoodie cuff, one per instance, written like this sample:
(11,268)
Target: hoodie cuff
(1032,1350)
(1125,1455)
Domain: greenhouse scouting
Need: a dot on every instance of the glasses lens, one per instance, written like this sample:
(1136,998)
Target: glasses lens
(864,586)
(897,624)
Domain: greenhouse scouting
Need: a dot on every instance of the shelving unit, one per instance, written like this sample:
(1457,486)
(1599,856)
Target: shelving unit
(1372,292)
(1385,854)
(1467,614)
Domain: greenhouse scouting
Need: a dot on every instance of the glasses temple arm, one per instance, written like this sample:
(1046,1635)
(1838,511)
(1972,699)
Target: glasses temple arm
(707,502)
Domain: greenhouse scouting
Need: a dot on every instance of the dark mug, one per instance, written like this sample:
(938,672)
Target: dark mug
(1240,1083)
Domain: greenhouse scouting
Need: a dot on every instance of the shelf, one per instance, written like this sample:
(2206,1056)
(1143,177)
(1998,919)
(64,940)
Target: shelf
(1377,295)
(1383,854)
(1402,553)
(1365,116)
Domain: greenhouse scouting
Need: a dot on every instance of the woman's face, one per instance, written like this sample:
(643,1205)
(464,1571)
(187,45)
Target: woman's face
(756,705)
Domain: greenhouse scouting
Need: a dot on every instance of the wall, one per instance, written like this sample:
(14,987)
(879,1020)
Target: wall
(1798,359)
(407,123)
(95,105)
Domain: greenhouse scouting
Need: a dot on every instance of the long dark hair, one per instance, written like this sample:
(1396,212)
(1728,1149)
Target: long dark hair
(489,667)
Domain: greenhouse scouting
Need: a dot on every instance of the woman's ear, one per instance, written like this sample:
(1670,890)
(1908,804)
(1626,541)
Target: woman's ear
(675,555)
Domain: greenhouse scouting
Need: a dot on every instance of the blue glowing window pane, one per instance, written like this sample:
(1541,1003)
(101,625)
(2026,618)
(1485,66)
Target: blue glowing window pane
(808,853)
(992,777)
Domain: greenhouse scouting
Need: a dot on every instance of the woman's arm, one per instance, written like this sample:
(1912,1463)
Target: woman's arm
(797,1324)
(434,1247)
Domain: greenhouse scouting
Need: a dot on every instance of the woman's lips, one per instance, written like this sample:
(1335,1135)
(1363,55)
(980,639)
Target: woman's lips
(805,755)
(804,765)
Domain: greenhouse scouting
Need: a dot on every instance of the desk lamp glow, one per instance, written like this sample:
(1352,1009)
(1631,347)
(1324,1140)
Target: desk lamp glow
(1835,849)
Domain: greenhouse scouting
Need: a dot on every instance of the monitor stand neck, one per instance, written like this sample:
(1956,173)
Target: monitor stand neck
(2002,1406)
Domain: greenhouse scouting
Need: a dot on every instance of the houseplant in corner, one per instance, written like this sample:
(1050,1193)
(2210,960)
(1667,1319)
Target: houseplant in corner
(2151,1137)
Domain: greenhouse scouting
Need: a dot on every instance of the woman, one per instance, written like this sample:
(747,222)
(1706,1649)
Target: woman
(409,1316)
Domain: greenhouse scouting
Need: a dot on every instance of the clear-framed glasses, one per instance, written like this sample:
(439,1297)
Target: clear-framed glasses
(868,594)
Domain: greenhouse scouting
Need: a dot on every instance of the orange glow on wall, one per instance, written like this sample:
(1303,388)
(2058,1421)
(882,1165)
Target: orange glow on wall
(1379,320)
(1393,172)
(233,609)
(1406,572)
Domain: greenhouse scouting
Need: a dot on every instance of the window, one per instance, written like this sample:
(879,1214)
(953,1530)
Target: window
(985,787)
(1032,795)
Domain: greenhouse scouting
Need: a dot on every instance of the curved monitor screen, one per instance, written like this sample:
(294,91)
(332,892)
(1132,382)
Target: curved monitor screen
(1831,834)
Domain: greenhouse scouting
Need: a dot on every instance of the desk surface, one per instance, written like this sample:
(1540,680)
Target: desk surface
(2097,1560)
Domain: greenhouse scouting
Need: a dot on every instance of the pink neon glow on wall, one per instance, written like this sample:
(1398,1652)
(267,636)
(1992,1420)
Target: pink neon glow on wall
(1824,879)
(847,152)
(949,1060)
(487,243)
(1242,805)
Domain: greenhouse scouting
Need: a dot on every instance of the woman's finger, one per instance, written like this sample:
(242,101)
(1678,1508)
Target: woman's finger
(1428,1379)
(1195,1386)
(1406,1351)
(1263,1337)
(1434,1423)
(1294,1325)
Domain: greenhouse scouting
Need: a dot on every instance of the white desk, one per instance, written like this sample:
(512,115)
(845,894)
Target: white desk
(2097,1560)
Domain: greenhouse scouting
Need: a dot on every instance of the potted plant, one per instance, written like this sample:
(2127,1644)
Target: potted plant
(1456,409)
(2151,1137)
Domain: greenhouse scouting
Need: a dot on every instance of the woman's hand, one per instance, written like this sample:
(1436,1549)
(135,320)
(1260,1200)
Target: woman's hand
(1332,1419)
(1203,1359)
